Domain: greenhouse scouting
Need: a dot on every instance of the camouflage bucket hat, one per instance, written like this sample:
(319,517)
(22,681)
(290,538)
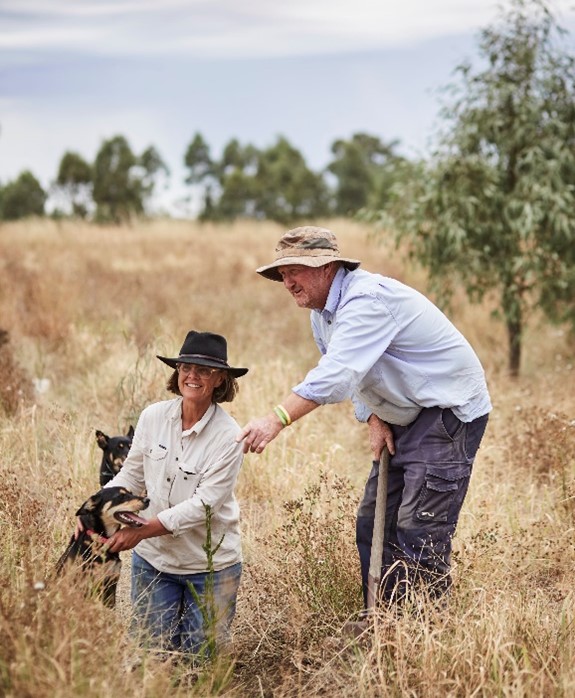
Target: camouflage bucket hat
(308,245)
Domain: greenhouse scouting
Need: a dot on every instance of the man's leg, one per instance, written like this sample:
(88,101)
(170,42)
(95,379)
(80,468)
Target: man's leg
(436,455)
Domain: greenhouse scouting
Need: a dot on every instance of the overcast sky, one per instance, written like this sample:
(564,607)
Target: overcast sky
(76,72)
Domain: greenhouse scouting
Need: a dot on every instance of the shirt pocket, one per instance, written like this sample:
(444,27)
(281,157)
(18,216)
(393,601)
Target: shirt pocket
(186,482)
(155,460)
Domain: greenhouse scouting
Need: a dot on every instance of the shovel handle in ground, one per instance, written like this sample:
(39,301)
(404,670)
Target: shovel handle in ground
(356,628)
(377,540)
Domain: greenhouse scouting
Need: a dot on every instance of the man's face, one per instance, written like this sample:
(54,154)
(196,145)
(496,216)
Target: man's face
(309,286)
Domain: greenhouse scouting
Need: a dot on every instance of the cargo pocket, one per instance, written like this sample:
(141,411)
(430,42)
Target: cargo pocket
(443,493)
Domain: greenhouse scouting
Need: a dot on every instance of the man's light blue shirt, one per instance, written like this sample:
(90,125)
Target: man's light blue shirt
(391,351)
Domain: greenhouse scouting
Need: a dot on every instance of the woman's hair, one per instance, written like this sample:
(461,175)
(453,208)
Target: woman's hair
(225,392)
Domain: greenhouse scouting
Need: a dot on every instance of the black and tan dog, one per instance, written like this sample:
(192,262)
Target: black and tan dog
(115,451)
(102,515)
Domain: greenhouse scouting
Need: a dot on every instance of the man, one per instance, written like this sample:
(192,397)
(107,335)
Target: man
(411,376)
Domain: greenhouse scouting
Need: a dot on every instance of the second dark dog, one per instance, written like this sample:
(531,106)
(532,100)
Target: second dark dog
(115,451)
(102,515)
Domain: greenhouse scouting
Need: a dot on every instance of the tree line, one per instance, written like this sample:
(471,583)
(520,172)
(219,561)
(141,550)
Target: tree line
(273,183)
(490,211)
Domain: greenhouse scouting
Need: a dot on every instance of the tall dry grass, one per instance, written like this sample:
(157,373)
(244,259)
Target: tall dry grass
(87,308)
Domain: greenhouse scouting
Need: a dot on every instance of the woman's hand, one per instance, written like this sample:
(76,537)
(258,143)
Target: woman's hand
(125,539)
(79,528)
(128,537)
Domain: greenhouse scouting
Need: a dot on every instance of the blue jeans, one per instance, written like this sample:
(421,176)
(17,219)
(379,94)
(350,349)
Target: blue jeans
(427,483)
(167,611)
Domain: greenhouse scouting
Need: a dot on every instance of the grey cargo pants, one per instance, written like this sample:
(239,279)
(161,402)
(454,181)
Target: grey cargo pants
(428,480)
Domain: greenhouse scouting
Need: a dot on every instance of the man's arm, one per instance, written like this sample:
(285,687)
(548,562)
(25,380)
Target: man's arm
(258,432)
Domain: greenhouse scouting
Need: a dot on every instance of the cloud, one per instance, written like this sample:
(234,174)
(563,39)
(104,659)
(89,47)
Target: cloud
(75,72)
(230,29)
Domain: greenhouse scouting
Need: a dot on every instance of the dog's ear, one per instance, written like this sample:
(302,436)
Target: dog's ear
(90,504)
(102,439)
(130,433)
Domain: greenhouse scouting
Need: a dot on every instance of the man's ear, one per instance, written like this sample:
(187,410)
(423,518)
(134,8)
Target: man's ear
(330,269)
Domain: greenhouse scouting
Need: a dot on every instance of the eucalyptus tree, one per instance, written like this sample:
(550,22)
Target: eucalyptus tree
(74,183)
(201,173)
(237,181)
(364,168)
(151,167)
(274,183)
(22,198)
(123,181)
(494,209)
(287,189)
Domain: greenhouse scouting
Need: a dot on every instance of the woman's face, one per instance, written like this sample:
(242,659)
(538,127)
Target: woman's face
(198,383)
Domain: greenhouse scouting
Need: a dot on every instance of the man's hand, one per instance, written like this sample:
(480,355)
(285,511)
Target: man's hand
(257,433)
(380,435)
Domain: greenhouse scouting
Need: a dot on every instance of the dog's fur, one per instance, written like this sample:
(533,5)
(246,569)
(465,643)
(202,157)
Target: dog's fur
(102,515)
(115,451)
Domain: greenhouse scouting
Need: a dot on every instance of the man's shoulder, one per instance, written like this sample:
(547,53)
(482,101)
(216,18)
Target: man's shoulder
(360,282)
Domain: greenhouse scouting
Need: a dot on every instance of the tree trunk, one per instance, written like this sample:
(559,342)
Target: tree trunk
(514,327)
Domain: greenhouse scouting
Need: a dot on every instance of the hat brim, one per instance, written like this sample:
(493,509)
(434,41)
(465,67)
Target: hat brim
(173,363)
(270,271)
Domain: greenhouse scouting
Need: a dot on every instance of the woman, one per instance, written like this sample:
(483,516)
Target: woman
(185,456)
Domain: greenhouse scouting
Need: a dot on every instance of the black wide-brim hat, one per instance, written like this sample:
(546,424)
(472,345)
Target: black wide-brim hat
(204,349)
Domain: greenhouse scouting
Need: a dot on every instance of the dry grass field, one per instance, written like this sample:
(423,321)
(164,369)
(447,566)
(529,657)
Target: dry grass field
(86,309)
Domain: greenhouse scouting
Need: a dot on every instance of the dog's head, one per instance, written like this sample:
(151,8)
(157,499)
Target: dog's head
(110,509)
(115,450)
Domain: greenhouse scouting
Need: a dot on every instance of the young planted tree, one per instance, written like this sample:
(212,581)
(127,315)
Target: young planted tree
(495,206)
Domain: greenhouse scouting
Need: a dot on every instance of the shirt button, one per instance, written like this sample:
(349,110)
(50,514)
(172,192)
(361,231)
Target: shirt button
(168,479)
